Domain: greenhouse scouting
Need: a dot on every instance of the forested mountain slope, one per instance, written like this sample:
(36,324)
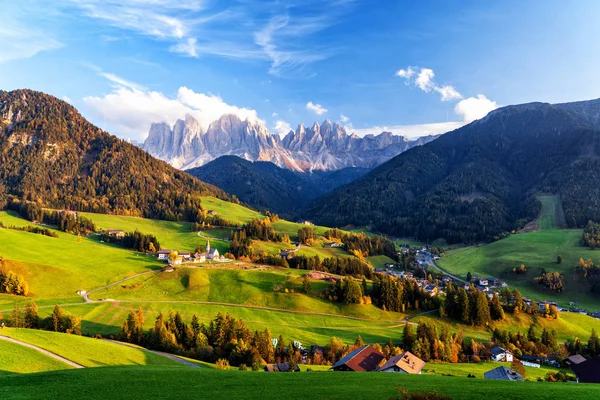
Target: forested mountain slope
(479,181)
(264,185)
(51,155)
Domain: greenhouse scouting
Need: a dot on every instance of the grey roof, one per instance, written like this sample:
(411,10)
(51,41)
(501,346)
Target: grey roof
(212,251)
(498,350)
(503,373)
(576,359)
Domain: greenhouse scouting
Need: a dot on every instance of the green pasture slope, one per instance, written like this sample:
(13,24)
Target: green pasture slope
(132,383)
(537,251)
(15,358)
(86,351)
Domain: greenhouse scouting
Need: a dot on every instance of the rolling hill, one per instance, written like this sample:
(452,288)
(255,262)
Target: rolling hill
(264,185)
(51,155)
(476,182)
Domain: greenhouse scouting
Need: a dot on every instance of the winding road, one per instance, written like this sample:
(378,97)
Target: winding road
(43,351)
(160,353)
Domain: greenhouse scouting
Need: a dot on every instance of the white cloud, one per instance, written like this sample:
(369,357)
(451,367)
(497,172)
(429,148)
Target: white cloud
(411,131)
(282,127)
(67,99)
(316,108)
(448,93)
(405,73)
(187,47)
(274,115)
(19,41)
(343,118)
(475,107)
(424,79)
(130,109)
(468,109)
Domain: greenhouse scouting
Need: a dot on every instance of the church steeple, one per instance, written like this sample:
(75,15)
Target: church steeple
(207,246)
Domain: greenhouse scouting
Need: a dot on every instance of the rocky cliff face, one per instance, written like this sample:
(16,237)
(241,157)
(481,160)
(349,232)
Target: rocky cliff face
(321,147)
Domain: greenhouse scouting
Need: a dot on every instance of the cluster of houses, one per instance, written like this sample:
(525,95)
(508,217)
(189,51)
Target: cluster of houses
(211,254)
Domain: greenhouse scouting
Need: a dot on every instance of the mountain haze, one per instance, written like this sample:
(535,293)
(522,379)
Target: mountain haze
(321,147)
(480,180)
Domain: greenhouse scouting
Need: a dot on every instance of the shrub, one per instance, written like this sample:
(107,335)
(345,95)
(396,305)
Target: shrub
(223,364)
(243,367)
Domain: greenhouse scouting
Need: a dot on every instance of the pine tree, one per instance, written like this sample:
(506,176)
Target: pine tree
(408,336)
(57,316)
(31,318)
(306,284)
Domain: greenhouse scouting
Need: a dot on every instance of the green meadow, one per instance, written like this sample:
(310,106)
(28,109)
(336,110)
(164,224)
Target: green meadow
(538,251)
(85,351)
(15,358)
(179,382)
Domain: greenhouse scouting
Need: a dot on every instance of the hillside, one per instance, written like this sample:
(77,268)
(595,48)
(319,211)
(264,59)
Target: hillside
(478,181)
(264,185)
(51,155)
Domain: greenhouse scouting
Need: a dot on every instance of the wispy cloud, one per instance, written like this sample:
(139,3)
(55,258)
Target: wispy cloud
(468,109)
(344,119)
(411,131)
(282,127)
(19,40)
(316,108)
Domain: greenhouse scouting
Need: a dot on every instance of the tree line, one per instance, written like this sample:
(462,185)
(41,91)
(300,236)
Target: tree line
(65,221)
(31,229)
(363,244)
(145,243)
(58,321)
(590,272)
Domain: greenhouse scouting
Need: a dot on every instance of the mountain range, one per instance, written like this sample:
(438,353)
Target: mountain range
(323,147)
(480,181)
(264,185)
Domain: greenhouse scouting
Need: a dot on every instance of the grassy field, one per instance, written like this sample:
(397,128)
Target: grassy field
(478,369)
(15,358)
(537,251)
(177,383)
(379,261)
(230,211)
(78,262)
(87,351)
(568,325)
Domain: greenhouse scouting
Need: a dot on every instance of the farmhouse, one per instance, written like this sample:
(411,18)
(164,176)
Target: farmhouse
(482,282)
(587,371)
(573,360)
(364,359)
(211,212)
(163,254)
(504,374)
(186,255)
(500,354)
(168,268)
(431,290)
(282,367)
(118,233)
(305,223)
(406,363)
(200,257)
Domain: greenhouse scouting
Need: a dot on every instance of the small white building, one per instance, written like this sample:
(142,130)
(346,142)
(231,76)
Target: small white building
(500,354)
(163,254)
(211,254)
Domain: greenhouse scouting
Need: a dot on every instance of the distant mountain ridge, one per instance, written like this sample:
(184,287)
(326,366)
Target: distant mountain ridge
(264,185)
(321,147)
(478,181)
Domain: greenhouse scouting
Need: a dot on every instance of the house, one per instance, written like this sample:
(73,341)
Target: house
(504,374)
(199,257)
(168,268)
(211,254)
(364,359)
(335,244)
(500,354)
(211,212)
(482,282)
(587,371)
(305,223)
(390,265)
(118,233)
(406,363)
(282,367)
(573,360)
(186,255)
(163,254)
(431,290)
(177,261)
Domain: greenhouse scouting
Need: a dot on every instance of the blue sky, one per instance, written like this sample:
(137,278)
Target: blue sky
(411,67)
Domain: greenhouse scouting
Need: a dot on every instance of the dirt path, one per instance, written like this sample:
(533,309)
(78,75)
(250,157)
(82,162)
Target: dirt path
(160,353)
(45,352)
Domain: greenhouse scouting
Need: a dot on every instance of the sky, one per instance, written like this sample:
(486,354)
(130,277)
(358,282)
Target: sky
(410,67)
